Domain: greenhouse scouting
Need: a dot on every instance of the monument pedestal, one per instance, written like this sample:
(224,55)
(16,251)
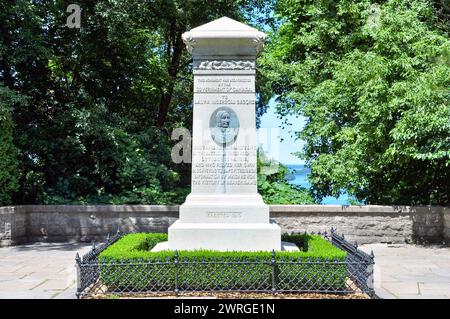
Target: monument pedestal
(224,222)
(225,236)
(224,210)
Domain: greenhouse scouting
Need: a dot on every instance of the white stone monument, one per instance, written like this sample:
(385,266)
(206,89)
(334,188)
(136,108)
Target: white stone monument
(224,210)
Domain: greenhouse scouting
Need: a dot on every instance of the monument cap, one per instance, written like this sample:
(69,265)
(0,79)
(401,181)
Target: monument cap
(224,36)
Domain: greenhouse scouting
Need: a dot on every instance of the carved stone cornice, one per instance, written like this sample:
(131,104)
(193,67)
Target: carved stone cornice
(259,41)
(189,41)
(224,64)
(224,37)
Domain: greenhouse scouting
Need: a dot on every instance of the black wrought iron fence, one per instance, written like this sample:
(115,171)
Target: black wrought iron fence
(277,274)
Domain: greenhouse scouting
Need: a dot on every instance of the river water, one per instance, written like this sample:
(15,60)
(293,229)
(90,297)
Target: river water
(300,178)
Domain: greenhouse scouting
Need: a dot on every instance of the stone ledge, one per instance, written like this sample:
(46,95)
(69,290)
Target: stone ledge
(90,208)
(365,224)
(333,209)
(354,209)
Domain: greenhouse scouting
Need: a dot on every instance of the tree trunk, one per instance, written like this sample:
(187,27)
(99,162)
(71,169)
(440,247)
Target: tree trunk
(166,98)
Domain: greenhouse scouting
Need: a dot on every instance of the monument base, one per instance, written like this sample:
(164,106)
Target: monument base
(285,246)
(224,208)
(225,236)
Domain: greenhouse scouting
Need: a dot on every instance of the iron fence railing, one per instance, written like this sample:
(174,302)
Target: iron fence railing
(277,274)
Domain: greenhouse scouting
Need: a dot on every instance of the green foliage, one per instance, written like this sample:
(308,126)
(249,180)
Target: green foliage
(136,247)
(133,246)
(273,185)
(372,79)
(8,152)
(103,99)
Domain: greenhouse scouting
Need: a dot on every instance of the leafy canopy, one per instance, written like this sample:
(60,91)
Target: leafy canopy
(372,79)
(102,99)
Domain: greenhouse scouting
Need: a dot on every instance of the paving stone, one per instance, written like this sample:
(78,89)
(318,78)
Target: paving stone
(442,272)
(384,278)
(431,288)
(399,288)
(420,277)
(384,294)
(24,295)
(424,269)
(69,293)
(408,296)
(18,285)
(42,270)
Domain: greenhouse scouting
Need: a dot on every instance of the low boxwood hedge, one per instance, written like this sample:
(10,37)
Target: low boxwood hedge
(129,265)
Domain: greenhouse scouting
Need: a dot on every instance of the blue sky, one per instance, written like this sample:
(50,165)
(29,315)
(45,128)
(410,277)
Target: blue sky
(271,133)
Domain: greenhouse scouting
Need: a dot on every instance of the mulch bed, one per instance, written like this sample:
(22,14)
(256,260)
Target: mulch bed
(232,295)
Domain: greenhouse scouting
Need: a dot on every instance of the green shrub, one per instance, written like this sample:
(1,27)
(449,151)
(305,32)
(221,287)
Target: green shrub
(129,265)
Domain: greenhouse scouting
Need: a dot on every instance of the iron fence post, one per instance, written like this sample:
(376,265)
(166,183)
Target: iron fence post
(371,278)
(176,262)
(273,262)
(78,270)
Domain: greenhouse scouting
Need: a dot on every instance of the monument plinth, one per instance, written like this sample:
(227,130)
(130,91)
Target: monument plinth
(224,210)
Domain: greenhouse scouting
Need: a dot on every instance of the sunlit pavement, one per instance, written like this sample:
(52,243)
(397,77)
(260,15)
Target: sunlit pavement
(39,271)
(46,270)
(409,271)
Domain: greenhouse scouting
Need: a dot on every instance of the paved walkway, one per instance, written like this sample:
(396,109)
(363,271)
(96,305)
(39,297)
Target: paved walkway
(411,272)
(39,271)
(46,270)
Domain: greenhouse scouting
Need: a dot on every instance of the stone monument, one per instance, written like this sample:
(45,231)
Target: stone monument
(224,210)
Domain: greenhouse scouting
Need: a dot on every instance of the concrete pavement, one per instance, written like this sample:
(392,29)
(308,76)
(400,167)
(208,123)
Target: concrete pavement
(39,271)
(410,271)
(46,270)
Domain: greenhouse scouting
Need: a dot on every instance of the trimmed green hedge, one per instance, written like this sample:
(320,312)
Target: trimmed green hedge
(129,265)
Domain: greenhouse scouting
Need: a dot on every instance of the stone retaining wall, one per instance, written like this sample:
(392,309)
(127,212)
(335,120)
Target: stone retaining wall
(446,224)
(367,224)
(364,224)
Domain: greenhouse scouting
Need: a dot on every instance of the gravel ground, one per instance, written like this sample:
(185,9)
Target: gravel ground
(233,295)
